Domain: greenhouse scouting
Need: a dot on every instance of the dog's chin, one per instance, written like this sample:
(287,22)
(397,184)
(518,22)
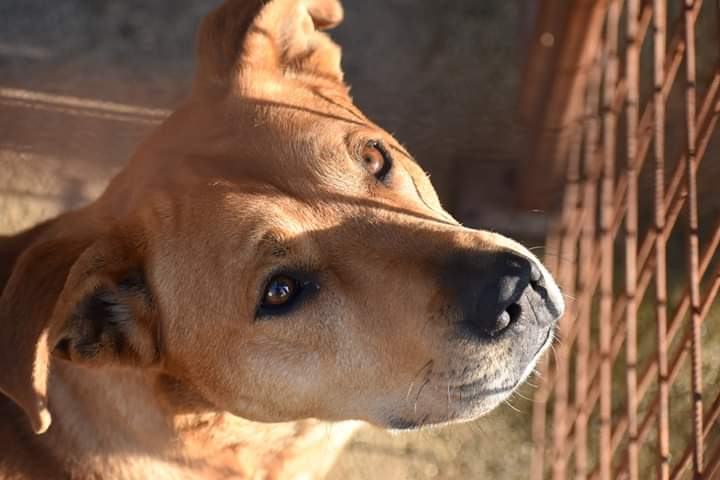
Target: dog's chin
(462,411)
(470,397)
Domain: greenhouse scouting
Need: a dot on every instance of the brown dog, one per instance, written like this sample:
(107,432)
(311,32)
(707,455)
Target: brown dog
(268,255)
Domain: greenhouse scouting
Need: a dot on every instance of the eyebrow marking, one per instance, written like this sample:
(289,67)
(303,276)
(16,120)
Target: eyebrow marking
(274,245)
(279,251)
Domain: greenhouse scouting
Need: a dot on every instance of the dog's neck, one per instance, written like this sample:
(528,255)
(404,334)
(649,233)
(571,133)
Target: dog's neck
(117,420)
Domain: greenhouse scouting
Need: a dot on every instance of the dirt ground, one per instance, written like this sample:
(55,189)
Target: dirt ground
(420,69)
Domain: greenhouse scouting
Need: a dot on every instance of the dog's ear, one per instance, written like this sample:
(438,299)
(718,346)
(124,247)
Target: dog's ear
(106,315)
(247,37)
(26,306)
(84,300)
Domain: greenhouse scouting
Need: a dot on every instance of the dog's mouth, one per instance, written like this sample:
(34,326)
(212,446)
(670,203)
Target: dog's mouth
(471,388)
(469,393)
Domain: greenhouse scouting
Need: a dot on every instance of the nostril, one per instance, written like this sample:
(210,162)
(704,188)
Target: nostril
(514,310)
(506,318)
(488,288)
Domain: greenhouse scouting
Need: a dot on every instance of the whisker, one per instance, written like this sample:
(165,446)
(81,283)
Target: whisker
(531,400)
(447,403)
(555,353)
(559,256)
(428,364)
(447,384)
(427,380)
(507,402)
(537,373)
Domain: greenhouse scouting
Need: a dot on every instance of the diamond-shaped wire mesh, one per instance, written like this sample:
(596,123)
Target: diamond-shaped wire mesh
(623,396)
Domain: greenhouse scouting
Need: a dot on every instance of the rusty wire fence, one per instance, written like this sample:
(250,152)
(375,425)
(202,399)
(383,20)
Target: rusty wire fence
(629,392)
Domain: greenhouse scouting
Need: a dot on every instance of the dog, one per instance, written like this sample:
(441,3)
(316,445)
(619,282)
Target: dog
(269,260)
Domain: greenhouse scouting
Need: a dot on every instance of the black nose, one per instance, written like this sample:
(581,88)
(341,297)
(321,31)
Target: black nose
(488,287)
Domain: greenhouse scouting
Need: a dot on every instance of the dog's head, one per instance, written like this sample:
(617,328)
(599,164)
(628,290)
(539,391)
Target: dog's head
(271,252)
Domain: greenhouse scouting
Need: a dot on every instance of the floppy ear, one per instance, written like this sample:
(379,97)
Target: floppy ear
(105,314)
(26,305)
(86,304)
(243,37)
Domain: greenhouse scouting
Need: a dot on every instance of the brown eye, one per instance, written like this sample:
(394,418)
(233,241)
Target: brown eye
(279,291)
(376,159)
(283,293)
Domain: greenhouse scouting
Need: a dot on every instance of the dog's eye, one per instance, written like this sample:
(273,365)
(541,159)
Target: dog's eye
(282,293)
(376,160)
(279,291)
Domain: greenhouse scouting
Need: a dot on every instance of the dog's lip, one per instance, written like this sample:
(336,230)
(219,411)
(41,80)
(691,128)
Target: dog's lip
(470,393)
(474,387)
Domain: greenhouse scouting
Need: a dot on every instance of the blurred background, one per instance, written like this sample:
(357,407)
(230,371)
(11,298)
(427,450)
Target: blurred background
(459,83)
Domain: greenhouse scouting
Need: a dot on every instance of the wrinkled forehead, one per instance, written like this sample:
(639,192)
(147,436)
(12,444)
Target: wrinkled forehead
(351,241)
(256,218)
(306,138)
(289,106)
(314,101)
(279,132)
(229,231)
